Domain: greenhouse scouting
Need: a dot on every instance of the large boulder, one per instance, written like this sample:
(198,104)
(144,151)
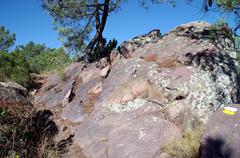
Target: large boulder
(12,92)
(14,97)
(159,85)
(221,136)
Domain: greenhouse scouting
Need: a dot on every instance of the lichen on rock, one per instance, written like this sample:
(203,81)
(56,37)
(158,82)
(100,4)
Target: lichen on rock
(127,107)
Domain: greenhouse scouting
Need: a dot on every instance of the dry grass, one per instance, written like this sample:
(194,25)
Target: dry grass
(89,105)
(186,146)
(46,151)
(61,73)
(27,134)
(170,62)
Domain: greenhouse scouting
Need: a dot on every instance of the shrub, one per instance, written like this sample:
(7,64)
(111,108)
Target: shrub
(186,146)
(220,30)
(17,65)
(14,68)
(103,50)
(49,60)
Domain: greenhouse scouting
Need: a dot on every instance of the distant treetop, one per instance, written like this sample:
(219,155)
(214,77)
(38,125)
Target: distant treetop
(6,39)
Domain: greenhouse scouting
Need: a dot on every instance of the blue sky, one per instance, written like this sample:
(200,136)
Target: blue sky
(28,20)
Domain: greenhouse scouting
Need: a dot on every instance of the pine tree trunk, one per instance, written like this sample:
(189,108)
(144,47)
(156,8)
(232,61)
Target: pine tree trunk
(100,25)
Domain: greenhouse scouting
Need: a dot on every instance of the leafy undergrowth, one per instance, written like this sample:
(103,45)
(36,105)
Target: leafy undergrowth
(18,65)
(27,134)
(186,146)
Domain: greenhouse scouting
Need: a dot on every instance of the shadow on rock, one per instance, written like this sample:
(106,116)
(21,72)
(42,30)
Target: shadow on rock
(27,135)
(215,148)
(218,63)
(43,126)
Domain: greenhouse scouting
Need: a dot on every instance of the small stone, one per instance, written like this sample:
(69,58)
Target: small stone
(104,72)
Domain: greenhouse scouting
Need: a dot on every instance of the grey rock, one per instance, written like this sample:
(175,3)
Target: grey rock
(14,97)
(127,47)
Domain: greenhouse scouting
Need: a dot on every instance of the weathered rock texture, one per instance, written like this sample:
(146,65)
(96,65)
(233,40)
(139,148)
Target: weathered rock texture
(14,97)
(160,85)
(139,42)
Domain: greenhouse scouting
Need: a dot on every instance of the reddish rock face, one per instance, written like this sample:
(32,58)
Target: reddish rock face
(138,103)
(126,136)
(222,135)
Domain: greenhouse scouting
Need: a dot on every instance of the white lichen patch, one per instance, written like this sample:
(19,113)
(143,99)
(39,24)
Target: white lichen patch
(205,92)
(202,89)
(129,106)
(161,79)
(141,134)
(154,119)
(223,80)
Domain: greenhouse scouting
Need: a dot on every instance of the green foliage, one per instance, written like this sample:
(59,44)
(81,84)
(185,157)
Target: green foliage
(228,5)
(237,42)
(49,60)
(220,30)
(14,68)
(3,113)
(31,49)
(6,39)
(17,65)
(145,3)
(41,59)
(237,49)
(75,20)
(103,50)
(73,39)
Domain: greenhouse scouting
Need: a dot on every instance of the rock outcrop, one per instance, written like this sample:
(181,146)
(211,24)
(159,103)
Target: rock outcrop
(159,85)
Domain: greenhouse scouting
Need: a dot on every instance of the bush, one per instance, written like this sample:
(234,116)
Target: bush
(14,68)
(17,65)
(41,59)
(220,30)
(103,50)
(49,60)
